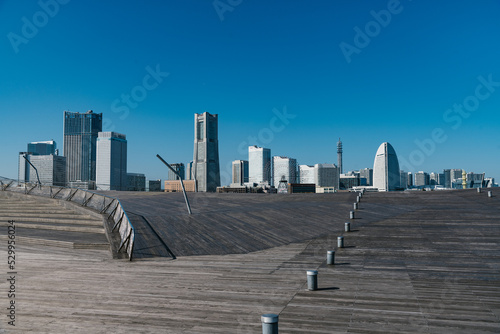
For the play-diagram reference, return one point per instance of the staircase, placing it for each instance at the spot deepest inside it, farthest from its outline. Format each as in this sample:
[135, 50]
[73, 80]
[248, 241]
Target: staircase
[51, 222]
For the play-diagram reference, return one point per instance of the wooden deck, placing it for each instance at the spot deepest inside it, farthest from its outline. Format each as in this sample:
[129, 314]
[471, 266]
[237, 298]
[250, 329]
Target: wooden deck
[423, 262]
[237, 223]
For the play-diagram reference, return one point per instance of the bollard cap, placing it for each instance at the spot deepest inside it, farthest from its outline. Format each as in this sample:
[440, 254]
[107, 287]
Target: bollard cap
[269, 318]
[330, 252]
[340, 238]
[312, 272]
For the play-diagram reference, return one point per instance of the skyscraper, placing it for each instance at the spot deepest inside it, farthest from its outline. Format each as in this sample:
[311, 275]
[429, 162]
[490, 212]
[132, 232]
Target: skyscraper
[339, 156]
[455, 174]
[179, 168]
[421, 179]
[403, 179]
[447, 178]
[189, 171]
[259, 165]
[367, 173]
[284, 168]
[326, 175]
[206, 152]
[240, 172]
[80, 148]
[111, 172]
[51, 169]
[42, 147]
[386, 171]
[410, 181]
[50, 165]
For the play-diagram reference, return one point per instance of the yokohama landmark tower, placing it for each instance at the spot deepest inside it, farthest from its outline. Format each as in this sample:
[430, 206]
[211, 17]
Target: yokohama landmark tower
[206, 152]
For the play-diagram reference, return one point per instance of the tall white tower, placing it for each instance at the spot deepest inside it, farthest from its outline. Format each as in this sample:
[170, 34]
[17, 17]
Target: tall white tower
[259, 165]
[111, 161]
[386, 173]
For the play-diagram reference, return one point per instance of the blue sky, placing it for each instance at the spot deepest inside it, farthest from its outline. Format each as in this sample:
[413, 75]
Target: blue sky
[365, 71]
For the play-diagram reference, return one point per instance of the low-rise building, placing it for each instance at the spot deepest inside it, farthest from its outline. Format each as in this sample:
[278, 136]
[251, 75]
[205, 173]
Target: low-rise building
[175, 185]
[136, 182]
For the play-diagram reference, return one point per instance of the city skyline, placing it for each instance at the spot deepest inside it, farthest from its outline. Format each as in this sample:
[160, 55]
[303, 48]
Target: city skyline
[296, 82]
[43, 144]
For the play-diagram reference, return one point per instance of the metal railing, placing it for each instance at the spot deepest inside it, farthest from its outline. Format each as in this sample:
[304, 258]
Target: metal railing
[103, 204]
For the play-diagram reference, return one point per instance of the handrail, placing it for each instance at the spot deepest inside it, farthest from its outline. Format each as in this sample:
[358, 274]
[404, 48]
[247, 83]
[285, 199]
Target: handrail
[99, 202]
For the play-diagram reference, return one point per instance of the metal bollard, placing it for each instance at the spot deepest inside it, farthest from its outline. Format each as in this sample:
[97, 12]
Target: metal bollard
[358, 199]
[269, 323]
[312, 280]
[355, 206]
[330, 257]
[360, 194]
[340, 242]
[490, 194]
[348, 227]
[351, 215]
[479, 190]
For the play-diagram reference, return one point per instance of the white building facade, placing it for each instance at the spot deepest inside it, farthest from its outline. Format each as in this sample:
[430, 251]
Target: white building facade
[111, 170]
[306, 174]
[259, 165]
[284, 168]
[386, 173]
[326, 175]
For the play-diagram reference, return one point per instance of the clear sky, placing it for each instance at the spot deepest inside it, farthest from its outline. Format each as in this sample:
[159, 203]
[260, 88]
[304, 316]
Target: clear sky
[293, 76]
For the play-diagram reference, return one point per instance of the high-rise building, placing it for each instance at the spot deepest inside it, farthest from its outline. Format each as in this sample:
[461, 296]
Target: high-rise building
[179, 168]
[339, 156]
[42, 147]
[80, 147]
[259, 165]
[306, 174]
[284, 168]
[322, 175]
[410, 180]
[447, 178]
[403, 179]
[421, 179]
[23, 170]
[455, 174]
[39, 148]
[51, 169]
[367, 173]
[111, 171]
[189, 171]
[440, 179]
[206, 152]
[326, 175]
[386, 168]
[436, 179]
[240, 172]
